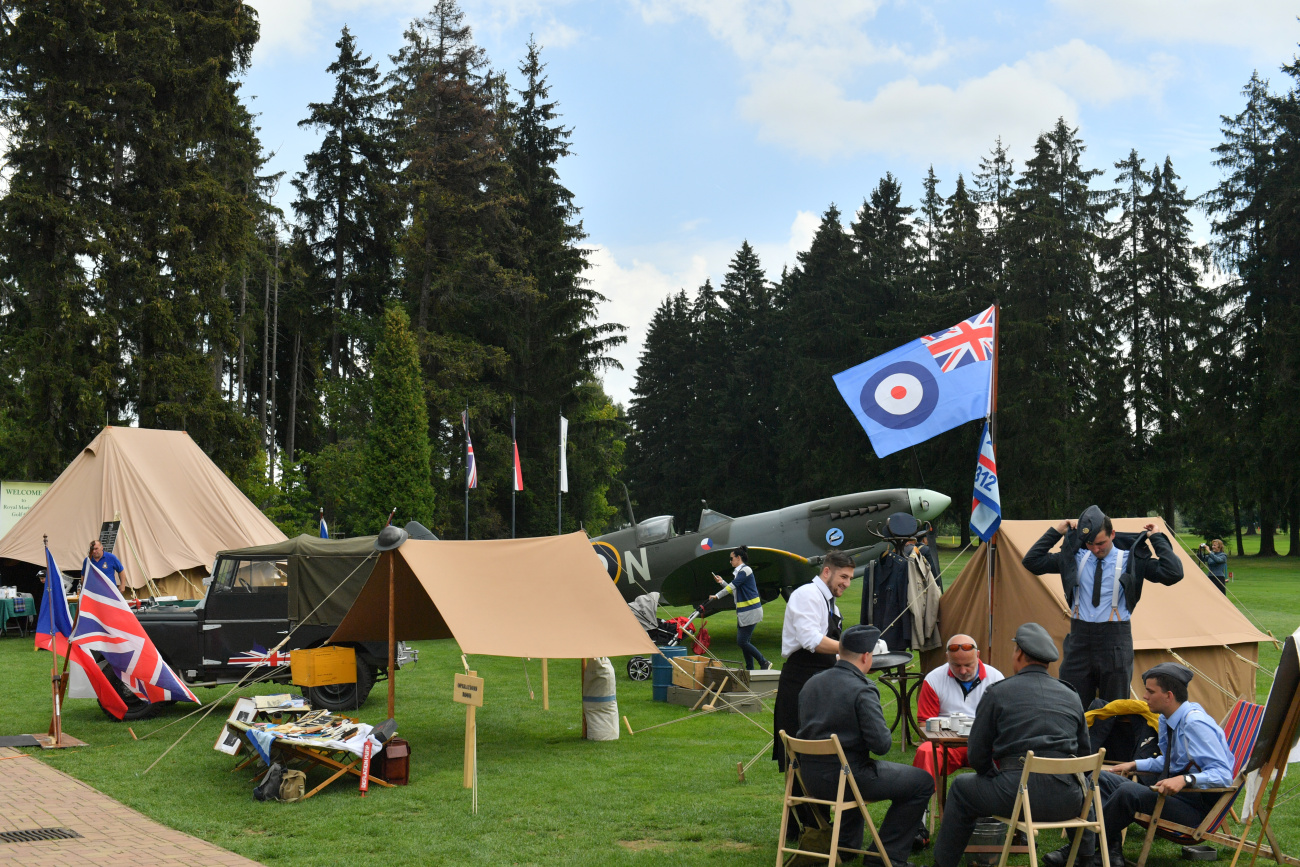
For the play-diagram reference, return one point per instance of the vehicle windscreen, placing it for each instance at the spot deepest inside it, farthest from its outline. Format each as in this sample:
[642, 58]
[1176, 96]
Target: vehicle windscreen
[250, 576]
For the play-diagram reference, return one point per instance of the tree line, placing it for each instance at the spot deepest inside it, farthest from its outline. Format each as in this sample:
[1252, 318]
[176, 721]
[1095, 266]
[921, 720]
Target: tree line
[432, 261]
[1138, 370]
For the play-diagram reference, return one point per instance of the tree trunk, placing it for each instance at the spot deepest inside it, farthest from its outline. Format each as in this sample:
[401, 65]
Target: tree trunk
[1236, 514]
[422, 316]
[243, 303]
[219, 352]
[338, 287]
[1293, 527]
[293, 397]
[1267, 532]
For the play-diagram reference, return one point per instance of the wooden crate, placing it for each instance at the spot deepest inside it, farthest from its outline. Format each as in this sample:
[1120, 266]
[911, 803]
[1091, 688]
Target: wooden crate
[737, 678]
[688, 671]
[321, 666]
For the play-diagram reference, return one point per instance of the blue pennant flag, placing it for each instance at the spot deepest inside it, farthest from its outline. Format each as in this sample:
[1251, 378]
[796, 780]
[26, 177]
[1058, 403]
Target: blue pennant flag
[986, 504]
[324, 528]
[925, 387]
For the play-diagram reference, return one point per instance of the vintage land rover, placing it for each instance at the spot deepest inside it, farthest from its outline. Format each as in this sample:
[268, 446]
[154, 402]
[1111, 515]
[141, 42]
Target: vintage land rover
[300, 588]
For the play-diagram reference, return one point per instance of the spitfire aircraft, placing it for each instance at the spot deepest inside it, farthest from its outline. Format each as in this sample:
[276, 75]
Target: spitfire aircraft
[785, 545]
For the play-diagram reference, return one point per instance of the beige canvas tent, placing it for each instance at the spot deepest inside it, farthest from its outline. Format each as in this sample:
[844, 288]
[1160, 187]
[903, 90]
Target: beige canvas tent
[1190, 622]
[544, 598]
[177, 511]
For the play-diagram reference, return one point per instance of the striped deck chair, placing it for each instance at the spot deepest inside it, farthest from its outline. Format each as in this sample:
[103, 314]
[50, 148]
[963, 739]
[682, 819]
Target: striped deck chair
[1241, 728]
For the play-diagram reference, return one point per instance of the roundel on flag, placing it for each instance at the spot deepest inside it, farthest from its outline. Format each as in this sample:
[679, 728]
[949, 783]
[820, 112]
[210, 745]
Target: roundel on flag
[900, 395]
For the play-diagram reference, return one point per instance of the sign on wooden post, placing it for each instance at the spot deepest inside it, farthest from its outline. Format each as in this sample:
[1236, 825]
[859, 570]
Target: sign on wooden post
[467, 689]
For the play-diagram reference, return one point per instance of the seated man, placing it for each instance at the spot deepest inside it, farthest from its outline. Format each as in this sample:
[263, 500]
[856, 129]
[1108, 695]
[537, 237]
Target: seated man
[953, 688]
[1194, 755]
[1029, 711]
[843, 701]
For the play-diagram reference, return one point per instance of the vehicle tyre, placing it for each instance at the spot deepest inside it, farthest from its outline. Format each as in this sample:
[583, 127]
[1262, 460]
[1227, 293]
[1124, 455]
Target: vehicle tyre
[136, 708]
[343, 696]
[638, 668]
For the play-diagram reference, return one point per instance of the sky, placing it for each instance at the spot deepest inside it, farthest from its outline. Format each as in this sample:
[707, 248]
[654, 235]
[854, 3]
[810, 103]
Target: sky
[700, 124]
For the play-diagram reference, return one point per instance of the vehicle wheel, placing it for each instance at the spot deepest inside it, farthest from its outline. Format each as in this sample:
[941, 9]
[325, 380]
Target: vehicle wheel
[638, 668]
[343, 696]
[136, 708]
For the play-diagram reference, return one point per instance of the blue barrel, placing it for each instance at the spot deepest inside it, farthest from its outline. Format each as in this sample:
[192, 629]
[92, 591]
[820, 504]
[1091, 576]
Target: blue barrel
[662, 671]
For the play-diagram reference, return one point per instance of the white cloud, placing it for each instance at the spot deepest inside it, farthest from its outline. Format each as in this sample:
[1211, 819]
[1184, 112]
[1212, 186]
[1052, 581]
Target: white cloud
[1267, 28]
[637, 289]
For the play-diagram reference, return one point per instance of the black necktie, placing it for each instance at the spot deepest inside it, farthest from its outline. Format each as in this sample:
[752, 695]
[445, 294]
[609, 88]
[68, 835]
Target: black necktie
[1169, 751]
[1096, 586]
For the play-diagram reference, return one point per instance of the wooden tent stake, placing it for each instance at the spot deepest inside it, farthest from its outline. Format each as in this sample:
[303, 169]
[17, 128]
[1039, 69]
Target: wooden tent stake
[546, 687]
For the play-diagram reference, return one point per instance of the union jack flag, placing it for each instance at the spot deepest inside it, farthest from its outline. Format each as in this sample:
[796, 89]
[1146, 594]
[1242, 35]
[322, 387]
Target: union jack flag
[471, 466]
[965, 343]
[260, 656]
[105, 624]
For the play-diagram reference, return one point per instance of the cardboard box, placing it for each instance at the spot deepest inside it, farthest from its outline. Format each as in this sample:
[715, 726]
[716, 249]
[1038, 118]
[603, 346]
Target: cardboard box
[688, 671]
[322, 666]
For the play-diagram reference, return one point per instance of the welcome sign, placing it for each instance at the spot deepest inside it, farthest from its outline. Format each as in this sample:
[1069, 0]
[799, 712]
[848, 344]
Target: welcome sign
[15, 499]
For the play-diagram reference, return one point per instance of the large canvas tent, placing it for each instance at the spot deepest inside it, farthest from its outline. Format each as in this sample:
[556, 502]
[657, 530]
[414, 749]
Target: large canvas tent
[177, 511]
[1189, 622]
[544, 598]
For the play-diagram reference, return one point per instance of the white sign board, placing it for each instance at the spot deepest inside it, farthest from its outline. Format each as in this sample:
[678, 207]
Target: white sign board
[15, 499]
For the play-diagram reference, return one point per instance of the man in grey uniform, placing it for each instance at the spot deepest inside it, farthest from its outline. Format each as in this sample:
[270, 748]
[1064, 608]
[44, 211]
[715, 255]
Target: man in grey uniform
[1029, 711]
[843, 701]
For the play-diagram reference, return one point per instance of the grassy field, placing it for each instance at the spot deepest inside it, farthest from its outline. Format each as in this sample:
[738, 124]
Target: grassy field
[670, 794]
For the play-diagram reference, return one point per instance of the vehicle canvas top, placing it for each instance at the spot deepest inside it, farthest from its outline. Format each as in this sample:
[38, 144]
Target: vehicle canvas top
[316, 567]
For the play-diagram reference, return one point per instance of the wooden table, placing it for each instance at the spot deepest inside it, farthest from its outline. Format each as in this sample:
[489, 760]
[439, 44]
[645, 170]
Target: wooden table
[21, 609]
[943, 740]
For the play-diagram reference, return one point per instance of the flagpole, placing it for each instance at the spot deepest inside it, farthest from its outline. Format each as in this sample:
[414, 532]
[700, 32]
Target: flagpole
[992, 552]
[56, 724]
[467, 471]
[559, 483]
[514, 483]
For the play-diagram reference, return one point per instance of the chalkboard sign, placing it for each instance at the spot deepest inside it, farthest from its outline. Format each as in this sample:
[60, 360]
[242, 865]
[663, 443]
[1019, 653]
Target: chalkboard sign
[108, 534]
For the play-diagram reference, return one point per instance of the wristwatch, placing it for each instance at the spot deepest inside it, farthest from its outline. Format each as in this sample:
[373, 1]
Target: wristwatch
[1189, 779]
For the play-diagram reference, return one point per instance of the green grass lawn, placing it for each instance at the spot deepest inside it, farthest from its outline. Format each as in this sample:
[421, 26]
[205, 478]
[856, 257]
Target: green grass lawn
[545, 796]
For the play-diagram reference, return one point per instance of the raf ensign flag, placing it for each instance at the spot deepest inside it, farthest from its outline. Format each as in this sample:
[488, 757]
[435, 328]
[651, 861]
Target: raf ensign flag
[986, 504]
[925, 387]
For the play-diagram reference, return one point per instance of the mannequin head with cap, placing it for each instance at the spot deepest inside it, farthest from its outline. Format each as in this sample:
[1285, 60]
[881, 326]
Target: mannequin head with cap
[856, 645]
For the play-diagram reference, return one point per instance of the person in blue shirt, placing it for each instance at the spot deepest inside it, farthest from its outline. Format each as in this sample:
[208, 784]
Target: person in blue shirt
[1216, 561]
[749, 606]
[1194, 755]
[1102, 574]
[105, 562]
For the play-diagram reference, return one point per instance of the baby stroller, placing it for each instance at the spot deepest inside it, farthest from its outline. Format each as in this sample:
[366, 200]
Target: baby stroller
[664, 633]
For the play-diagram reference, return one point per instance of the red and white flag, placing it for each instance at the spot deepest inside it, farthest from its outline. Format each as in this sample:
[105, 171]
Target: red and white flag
[519, 473]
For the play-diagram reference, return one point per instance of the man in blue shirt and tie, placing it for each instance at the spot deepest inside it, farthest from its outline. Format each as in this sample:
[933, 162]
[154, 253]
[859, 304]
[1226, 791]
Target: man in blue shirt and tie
[1102, 573]
[1194, 755]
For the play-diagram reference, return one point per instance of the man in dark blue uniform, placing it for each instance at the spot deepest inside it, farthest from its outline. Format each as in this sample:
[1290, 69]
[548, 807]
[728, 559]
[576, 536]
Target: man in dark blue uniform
[1102, 573]
[843, 701]
[1029, 711]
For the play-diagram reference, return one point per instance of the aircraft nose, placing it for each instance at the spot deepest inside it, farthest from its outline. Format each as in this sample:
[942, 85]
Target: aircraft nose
[927, 504]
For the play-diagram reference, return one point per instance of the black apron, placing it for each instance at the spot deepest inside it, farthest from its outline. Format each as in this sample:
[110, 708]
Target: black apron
[801, 666]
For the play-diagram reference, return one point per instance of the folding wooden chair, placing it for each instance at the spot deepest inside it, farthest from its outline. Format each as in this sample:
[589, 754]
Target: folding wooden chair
[794, 748]
[1241, 728]
[1035, 765]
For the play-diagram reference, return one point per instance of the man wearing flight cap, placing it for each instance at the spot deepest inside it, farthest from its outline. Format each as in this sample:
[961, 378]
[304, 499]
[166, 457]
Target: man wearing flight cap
[1102, 573]
[1031, 710]
[1194, 755]
[843, 701]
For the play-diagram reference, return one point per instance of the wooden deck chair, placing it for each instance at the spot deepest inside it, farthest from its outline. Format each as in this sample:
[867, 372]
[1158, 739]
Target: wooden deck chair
[1022, 816]
[1241, 727]
[794, 748]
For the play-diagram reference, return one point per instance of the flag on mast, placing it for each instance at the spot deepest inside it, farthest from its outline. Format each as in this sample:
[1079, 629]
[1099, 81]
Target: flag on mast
[519, 472]
[986, 504]
[324, 528]
[54, 626]
[564, 461]
[471, 467]
[925, 387]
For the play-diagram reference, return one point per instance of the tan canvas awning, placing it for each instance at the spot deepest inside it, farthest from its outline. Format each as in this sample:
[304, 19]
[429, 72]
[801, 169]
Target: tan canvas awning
[545, 598]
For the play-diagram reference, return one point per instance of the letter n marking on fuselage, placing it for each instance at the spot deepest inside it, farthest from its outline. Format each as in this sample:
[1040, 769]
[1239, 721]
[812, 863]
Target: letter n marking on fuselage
[635, 567]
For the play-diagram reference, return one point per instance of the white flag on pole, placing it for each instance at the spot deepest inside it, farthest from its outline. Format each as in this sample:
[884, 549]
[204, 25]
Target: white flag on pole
[564, 461]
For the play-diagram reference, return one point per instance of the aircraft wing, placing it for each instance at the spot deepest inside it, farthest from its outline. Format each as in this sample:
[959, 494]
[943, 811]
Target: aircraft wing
[692, 583]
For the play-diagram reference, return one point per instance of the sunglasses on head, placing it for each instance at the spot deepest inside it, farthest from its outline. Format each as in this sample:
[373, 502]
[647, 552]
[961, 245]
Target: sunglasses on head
[953, 648]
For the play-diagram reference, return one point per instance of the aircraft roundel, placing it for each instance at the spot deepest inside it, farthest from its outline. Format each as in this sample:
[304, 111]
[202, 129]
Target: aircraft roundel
[706, 544]
[834, 536]
[900, 395]
[609, 559]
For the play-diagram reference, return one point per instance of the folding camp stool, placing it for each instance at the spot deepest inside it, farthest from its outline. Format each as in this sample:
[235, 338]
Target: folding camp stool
[1022, 816]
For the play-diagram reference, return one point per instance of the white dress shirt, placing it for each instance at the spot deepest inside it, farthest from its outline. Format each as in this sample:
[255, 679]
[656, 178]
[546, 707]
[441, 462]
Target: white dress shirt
[807, 617]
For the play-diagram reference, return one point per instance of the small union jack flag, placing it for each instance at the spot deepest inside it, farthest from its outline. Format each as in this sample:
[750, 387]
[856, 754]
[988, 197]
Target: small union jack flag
[965, 343]
[260, 656]
[471, 466]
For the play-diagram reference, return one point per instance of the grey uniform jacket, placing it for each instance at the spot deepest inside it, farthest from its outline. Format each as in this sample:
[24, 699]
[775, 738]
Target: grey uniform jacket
[842, 701]
[1139, 567]
[1029, 711]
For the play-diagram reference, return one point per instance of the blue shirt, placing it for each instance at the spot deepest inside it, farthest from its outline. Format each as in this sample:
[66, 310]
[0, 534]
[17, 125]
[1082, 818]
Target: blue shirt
[1199, 748]
[1112, 566]
[108, 564]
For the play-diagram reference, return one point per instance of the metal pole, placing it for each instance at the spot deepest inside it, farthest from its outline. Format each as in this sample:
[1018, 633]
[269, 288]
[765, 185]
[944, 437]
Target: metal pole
[466, 470]
[514, 447]
[991, 554]
[392, 639]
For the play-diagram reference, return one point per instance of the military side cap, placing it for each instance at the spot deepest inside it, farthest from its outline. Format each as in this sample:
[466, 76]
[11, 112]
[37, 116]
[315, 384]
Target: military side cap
[1090, 522]
[1036, 643]
[859, 639]
[1170, 669]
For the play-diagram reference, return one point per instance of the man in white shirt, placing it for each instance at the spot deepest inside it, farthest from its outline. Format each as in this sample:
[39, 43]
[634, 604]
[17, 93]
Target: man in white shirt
[809, 641]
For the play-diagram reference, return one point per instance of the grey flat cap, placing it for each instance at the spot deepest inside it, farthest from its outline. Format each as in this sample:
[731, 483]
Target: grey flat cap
[1036, 643]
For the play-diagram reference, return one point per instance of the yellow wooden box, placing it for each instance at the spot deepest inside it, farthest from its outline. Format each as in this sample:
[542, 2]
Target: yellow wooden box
[688, 673]
[321, 666]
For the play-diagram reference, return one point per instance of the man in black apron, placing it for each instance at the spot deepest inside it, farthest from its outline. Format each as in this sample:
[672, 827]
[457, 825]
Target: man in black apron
[809, 641]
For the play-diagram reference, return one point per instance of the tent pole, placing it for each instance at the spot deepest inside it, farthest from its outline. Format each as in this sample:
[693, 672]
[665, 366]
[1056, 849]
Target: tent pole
[392, 639]
[992, 552]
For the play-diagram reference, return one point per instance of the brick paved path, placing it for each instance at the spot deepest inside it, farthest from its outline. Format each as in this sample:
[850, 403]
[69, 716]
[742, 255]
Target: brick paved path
[35, 795]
